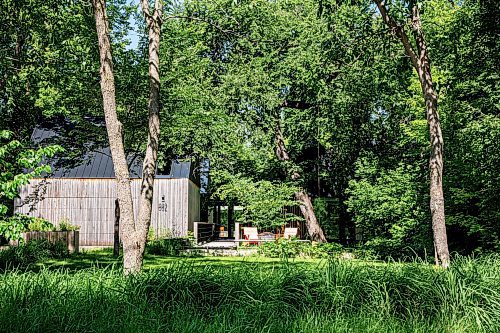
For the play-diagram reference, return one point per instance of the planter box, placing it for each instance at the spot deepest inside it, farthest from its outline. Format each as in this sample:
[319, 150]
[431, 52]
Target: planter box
[70, 238]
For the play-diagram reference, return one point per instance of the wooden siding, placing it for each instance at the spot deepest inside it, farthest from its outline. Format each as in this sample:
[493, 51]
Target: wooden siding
[90, 203]
[194, 205]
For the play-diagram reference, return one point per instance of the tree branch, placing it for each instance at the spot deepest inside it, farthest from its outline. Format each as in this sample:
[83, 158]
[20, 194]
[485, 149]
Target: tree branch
[145, 10]
[300, 105]
[398, 30]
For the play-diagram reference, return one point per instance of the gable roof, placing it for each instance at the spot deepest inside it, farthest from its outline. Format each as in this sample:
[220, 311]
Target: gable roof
[92, 159]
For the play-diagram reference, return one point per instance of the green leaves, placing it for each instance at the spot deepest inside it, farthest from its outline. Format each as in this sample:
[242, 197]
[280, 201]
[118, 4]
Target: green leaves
[262, 201]
[385, 205]
[18, 165]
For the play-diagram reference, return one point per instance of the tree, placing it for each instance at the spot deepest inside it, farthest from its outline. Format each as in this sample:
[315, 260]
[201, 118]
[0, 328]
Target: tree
[135, 238]
[464, 44]
[306, 206]
[15, 157]
[420, 61]
[133, 232]
[47, 63]
[114, 130]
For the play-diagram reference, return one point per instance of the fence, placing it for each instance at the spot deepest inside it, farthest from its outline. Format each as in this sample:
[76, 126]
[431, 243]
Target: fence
[203, 232]
[70, 238]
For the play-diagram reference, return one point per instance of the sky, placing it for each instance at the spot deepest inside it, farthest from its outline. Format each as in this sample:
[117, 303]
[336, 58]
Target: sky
[133, 36]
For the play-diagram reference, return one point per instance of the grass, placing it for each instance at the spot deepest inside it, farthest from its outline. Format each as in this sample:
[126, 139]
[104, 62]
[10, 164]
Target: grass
[252, 295]
[104, 258]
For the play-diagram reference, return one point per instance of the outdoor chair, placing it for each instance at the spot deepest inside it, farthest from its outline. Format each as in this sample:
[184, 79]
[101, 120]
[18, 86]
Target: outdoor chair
[290, 233]
[251, 234]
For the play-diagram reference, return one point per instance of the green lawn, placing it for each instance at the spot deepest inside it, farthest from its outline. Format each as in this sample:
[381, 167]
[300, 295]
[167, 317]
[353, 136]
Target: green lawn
[104, 258]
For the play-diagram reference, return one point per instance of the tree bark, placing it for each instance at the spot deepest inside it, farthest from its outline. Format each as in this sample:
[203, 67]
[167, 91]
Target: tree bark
[420, 61]
[113, 126]
[133, 233]
[116, 236]
[136, 244]
[306, 207]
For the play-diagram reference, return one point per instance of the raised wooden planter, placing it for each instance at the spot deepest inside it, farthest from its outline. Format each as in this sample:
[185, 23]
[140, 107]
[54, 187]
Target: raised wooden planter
[70, 238]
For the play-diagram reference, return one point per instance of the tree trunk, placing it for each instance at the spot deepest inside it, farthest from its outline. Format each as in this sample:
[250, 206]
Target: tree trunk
[420, 61]
[133, 233]
[306, 207]
[116, 236]
[132, 262]
[437, 145]
[113, 126]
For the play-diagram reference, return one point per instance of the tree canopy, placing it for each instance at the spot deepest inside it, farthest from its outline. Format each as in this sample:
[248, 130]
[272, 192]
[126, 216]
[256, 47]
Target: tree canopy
[343, 94]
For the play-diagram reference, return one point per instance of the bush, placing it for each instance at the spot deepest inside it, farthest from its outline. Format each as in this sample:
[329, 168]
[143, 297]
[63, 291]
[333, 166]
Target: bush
[65, 225]
[386, 205]
[285, 248]
[31, 253]
[167, 247]
[12, 227]
[39, 224]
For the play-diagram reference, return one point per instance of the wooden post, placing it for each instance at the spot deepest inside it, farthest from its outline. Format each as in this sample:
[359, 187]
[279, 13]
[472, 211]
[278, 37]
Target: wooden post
[116, 243]
[230, 219]
[195, 232]
[237, 232]
[214, 215]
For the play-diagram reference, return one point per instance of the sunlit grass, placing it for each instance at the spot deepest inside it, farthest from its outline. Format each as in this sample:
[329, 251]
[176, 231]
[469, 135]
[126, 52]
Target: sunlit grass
[226, 294]
[104, 258]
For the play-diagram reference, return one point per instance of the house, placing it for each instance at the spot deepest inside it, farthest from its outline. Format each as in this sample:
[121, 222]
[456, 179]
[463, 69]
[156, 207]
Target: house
[83, 192]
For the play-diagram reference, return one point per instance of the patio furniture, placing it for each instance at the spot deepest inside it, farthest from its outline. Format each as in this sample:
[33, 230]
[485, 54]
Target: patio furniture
[290, 233]
[251, 234]
[266, 236]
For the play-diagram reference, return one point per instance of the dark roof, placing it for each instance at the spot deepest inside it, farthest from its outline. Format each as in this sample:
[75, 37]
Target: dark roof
[93, 160]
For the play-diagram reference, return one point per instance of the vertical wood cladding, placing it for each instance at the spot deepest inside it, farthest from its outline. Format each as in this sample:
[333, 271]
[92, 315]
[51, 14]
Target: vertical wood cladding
[90, 203]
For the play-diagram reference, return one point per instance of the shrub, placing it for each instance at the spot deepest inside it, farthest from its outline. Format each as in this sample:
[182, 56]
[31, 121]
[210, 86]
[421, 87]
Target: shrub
[167, 246]
[12, 227]
[39, 224]
[65, 225]
[285, 248]
[387, 208]
[28, 254]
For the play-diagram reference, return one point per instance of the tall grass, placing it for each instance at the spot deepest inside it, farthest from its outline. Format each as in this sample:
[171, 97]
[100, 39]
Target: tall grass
[338, 296]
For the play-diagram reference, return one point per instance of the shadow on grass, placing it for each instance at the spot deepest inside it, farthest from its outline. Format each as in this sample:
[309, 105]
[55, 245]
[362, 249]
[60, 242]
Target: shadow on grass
[104, 259]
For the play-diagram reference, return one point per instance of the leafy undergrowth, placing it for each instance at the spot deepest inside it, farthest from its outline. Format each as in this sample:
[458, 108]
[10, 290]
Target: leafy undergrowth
[185, 296]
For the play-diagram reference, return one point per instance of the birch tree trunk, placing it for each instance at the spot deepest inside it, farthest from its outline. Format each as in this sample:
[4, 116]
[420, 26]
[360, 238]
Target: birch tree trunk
[420, 61]
[306, 207]
[113, 126]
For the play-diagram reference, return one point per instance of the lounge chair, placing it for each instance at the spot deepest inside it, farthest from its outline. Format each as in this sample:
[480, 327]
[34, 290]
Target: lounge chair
[290, 233]
[251, 234]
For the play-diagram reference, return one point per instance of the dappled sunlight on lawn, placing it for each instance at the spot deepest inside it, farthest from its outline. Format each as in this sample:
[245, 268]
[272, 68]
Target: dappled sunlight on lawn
[104, 258]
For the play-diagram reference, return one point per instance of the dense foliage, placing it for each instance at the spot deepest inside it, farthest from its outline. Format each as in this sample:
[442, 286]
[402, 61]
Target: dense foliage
[345, 97]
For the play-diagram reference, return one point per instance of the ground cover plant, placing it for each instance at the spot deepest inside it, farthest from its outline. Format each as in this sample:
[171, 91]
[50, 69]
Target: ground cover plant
[327, 296]
[36, 251]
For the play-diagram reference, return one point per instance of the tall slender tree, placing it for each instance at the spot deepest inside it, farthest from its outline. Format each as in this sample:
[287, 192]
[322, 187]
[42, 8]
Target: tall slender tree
[133, 232]
[420, 60]
[114, 129]
[133, 259]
